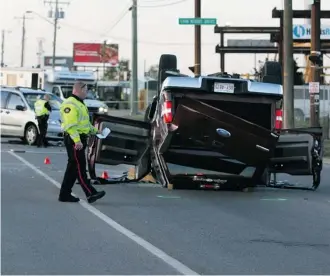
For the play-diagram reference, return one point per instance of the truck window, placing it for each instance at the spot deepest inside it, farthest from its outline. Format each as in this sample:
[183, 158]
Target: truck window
[67, 90]
[56, 91]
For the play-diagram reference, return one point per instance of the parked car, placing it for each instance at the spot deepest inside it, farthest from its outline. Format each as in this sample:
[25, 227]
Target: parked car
[227, 130]
[18, 118]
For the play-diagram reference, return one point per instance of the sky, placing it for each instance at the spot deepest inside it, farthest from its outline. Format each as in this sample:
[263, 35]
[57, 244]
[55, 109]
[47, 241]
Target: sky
[158, 29]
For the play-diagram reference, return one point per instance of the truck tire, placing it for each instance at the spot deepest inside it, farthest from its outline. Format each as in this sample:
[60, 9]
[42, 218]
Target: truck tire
[167, 62]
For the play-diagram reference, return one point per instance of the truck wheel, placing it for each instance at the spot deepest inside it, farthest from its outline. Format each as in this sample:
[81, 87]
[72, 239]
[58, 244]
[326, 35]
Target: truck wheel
[166, 63]
[31, 134]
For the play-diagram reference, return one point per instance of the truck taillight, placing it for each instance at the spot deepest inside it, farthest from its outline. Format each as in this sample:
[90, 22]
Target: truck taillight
[278, 119]
[167, 112]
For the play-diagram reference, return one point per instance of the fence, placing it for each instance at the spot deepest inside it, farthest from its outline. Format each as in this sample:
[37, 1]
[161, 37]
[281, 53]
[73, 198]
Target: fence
[302, 107]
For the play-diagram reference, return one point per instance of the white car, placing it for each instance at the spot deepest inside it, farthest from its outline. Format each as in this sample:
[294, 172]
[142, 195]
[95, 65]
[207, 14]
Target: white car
[18, 118]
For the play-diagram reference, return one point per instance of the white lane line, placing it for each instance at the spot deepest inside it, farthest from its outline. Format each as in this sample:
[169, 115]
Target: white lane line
[177, 265]
[32, 151]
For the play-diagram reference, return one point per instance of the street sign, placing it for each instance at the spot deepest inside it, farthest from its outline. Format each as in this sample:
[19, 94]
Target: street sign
[314, 88]
[249, 43]
[63, 61]
[304, 31]
[197, 21]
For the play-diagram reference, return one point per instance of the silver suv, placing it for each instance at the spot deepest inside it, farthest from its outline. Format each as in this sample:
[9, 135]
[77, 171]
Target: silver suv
[18, 118]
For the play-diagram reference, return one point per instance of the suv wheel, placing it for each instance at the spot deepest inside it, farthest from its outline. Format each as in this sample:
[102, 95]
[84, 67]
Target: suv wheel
[31, 134]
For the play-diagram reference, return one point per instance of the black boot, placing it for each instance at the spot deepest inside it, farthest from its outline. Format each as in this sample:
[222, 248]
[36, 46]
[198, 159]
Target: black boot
[69, 198]
[95, 196]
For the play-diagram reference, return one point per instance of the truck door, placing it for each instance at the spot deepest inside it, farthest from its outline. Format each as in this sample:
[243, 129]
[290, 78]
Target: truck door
[128, 143]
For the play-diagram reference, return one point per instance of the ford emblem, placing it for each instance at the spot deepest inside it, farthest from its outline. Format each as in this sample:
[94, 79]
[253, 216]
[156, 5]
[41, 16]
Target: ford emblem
[223, 133]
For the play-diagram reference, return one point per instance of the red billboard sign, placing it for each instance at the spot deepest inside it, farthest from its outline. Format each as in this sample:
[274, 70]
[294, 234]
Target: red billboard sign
[95, 53]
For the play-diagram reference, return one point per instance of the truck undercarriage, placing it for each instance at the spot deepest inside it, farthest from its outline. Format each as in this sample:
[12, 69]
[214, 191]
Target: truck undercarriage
[297, 152]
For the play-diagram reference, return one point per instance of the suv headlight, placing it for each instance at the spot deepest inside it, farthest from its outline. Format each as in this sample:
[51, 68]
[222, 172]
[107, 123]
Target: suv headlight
[103, 109]
[54, 122]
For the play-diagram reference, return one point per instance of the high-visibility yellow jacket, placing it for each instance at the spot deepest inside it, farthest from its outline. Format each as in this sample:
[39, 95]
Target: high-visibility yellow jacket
[75, 118]
[40, 109]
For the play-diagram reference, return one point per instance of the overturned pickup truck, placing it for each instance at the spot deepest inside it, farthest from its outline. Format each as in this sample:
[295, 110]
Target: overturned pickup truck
[227, 131]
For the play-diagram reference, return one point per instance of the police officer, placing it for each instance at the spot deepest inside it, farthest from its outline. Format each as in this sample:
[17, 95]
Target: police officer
[77, 127]
[42, 109]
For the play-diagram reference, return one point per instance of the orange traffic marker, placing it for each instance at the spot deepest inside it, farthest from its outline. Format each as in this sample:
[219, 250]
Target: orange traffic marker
[105, 175]
[47, 161]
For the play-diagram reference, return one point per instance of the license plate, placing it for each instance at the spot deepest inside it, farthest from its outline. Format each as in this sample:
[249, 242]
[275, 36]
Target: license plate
[224, 87]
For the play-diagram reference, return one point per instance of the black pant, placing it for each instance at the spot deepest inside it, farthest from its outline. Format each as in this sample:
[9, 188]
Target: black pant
[43, 125]
[76, 168]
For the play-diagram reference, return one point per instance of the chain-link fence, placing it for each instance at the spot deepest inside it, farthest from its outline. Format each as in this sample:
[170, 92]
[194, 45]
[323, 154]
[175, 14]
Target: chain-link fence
[302, 107]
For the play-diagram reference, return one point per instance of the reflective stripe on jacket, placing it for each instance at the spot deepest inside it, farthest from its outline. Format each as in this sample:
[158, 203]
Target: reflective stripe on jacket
[40, 109]
[75, 119]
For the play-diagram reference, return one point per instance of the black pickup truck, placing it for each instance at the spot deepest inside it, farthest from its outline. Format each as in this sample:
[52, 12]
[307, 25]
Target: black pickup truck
[229, 127]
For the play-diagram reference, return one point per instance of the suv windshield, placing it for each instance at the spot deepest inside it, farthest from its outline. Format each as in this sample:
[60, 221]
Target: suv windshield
[31, 98]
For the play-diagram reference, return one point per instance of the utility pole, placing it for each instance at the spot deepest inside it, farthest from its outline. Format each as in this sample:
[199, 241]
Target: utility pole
[103, 57]
[57, 15]
[23, 37]
[288, 74]
[23, 42]
[55, 32]
[40, 51]
[2, 47]
[197, 70]
[134, 80]
[316, 59]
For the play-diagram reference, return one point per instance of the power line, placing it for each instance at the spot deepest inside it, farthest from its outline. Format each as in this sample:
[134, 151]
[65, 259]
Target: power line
[164, 5]
[120, 17]
[140, 41]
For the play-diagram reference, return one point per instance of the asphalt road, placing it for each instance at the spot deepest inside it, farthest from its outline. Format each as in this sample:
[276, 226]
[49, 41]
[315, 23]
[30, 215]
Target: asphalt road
[144, 229]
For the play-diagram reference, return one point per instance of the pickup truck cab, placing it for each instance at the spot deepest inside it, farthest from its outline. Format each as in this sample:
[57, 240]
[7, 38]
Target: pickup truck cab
[228, 128]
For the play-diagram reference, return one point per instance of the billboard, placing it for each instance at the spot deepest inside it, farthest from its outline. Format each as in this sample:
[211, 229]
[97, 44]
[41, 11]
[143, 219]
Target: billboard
[95, 54]
[305, 31]
[63, 61]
